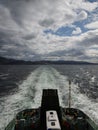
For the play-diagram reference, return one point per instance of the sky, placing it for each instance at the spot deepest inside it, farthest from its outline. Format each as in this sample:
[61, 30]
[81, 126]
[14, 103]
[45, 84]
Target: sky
[49, 30]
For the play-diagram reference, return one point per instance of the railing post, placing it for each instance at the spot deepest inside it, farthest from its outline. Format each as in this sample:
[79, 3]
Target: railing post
[69, 93]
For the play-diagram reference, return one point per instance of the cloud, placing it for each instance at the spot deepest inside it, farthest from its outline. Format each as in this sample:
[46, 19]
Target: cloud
[29, 36]
[46, 22]
[84, 5]
[90, 38]
[92, 52]
[82, 15]
[77, 31]
[22, 25]
[92, 25]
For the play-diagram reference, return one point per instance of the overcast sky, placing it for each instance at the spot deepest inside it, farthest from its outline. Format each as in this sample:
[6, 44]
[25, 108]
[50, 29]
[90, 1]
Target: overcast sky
[49, 29]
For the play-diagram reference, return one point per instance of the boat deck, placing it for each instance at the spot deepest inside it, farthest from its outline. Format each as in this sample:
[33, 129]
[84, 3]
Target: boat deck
[72, 119]
[35, 119]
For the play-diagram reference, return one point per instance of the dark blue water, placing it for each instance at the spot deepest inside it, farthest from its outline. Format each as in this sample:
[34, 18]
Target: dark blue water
[21, 88]
[11, 76]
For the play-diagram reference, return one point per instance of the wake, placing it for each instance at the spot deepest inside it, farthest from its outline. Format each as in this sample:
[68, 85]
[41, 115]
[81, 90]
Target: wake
[30, 92]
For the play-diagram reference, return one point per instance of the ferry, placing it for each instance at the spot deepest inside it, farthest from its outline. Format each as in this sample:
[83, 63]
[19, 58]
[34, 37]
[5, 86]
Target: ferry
[51, 116]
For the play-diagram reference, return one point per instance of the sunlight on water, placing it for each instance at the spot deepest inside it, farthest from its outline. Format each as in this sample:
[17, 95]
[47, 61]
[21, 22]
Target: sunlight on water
[30, 92]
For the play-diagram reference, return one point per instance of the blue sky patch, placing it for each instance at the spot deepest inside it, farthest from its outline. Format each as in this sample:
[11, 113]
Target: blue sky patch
[81, 25]
[92, 1]
[62, 31]
[67, 31]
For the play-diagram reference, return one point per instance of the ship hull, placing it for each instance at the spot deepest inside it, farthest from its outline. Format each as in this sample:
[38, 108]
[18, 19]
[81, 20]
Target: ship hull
[36, 119]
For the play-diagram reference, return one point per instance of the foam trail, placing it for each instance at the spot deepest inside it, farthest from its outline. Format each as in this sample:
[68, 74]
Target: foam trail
[30, 93]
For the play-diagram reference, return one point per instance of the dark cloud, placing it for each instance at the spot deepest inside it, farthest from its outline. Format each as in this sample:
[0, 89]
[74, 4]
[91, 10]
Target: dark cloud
[46, 22]
[18, 52]
[29, 36]
[16, 9]
[70, 52]
[89, 41]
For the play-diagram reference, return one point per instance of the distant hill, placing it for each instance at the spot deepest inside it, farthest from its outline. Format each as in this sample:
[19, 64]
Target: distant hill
[6, 61]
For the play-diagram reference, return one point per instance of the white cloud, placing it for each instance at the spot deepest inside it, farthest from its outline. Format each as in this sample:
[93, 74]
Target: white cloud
[92, 52]
[77, 31]
[93, 25]
[81, 16]
[84, 5]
